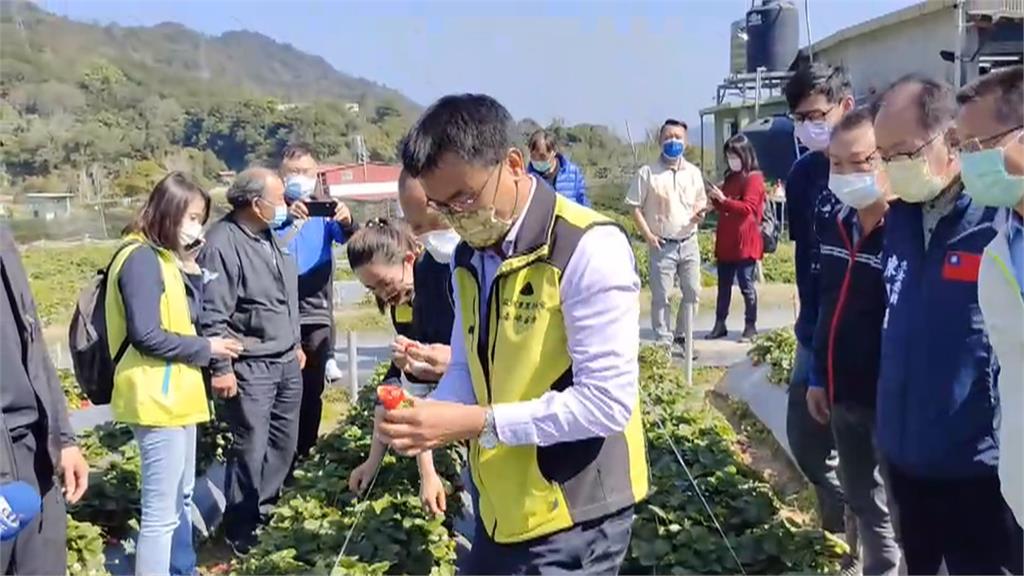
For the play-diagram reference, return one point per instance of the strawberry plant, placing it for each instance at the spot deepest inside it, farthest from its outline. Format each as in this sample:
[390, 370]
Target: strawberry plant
[85, 549]
[778, 349]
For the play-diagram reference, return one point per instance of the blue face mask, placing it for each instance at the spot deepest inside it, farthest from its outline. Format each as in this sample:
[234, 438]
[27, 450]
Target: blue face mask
[673, 149]
[987, 181]
[298, 187]
[542, 166]
[280, 216]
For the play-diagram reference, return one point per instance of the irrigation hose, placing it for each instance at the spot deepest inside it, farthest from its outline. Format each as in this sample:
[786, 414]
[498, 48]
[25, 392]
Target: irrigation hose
[700, 494]
[359, 515]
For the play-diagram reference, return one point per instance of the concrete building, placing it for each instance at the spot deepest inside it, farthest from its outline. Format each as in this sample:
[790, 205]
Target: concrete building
[49, 206]
[929, 37]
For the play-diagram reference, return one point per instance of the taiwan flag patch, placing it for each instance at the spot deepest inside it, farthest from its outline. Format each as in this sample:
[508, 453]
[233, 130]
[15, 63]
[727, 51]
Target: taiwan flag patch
[961, 267]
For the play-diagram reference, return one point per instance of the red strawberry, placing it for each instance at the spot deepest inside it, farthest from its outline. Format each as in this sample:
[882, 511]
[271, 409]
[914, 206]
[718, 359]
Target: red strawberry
[391, 397]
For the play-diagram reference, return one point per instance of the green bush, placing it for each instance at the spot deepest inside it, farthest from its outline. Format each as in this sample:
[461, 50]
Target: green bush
[778, 349]
[72, 391]
[85, 549]
[57, 273]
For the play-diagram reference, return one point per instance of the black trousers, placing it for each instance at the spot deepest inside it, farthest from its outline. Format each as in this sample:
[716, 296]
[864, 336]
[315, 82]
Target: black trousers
[41, 547]
[744, 273]
[318, 344]
[264, 420]
[595, 547]
[964, 521]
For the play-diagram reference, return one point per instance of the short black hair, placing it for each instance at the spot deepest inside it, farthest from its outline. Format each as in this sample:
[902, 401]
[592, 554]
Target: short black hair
[832, 83]
[854, 119]
[542, 138]
[673, 122]
[741, 147]
[1008, 84]
[474, 127]
[936, 103]
[297, 150]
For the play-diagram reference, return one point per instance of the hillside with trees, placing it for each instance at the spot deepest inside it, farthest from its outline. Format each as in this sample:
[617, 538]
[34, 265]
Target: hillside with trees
[104, 111]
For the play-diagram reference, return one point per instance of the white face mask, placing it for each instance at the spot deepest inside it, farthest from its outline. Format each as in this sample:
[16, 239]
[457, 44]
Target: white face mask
[735, 164]
[814, 135]
[190, 232]
[441, 244]
[858, 190]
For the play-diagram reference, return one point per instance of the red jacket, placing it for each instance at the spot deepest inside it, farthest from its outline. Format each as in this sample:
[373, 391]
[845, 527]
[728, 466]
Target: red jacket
[738, 236]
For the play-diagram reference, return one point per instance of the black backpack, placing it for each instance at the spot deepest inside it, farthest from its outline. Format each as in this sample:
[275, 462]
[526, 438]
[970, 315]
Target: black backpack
[87, 338]
[770, 231]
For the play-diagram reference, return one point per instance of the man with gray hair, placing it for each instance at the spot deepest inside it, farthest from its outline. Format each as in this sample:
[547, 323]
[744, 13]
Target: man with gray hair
[251, 294]
[937, 400]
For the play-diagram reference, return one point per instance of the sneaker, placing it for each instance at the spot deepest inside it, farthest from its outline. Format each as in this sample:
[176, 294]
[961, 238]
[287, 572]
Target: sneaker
[679, 347]
[332, 371]
[719, 331]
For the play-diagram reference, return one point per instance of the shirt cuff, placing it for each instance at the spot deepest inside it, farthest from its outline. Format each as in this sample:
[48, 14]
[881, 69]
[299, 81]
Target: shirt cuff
[514, 423]
[815, 381]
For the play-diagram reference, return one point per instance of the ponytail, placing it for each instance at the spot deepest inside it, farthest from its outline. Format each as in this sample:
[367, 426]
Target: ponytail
[382, 241]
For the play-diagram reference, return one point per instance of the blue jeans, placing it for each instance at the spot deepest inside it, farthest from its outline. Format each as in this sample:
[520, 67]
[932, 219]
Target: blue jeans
[168, 477]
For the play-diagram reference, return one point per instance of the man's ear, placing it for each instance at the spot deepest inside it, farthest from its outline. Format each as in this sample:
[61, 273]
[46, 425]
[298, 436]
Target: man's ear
[847, 104]
[952, 140]
[516, 161]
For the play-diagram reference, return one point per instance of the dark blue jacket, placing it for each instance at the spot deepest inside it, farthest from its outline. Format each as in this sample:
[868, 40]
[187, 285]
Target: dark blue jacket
[311, 245]
[808, 200]
[848, 339]
[937, 396]
[568, 182]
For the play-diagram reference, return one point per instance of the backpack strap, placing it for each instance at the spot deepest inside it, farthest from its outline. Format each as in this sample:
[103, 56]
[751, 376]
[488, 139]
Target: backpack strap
[123, 348]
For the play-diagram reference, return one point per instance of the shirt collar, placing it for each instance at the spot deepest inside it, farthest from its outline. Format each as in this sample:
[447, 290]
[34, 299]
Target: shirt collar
[513, 232]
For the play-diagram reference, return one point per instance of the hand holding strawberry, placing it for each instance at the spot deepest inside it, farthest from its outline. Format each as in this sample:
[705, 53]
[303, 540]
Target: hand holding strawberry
[392, 397]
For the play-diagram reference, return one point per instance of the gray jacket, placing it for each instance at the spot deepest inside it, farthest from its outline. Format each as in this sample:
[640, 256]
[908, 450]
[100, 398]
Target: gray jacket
[250, 292]
[41, 373]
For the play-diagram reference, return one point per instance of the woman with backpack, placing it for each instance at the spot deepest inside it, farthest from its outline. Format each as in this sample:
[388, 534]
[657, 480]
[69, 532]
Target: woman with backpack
[153, 299]
[738, 242]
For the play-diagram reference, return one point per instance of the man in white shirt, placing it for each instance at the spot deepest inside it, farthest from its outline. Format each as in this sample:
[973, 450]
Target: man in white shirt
[669, 201]
[543, 378]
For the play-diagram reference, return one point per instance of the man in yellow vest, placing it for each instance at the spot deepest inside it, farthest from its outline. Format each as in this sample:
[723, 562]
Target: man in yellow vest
[990, 124]
[543, 378]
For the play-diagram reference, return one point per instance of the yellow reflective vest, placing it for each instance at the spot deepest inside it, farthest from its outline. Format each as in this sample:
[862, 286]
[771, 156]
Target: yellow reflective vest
[153, 391]
[518, 353]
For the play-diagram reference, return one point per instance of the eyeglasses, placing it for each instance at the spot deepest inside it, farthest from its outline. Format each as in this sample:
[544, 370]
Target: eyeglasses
[461, 201]
[811, 115]
[979, 144]
[916, 153]
[867, 164]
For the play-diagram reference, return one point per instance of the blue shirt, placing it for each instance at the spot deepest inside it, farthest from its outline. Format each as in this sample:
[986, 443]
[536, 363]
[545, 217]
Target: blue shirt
[311, 245]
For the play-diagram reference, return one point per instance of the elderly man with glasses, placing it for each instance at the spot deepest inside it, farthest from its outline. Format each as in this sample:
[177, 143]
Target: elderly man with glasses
[937, 399]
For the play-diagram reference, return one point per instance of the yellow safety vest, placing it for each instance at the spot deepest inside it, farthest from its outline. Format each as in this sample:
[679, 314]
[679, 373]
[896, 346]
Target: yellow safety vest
[153, 391]
[519, 354]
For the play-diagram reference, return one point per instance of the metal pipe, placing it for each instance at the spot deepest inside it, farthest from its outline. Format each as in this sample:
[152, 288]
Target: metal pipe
[810, 41]
[958, 46]
[688, 315]
[353, 366]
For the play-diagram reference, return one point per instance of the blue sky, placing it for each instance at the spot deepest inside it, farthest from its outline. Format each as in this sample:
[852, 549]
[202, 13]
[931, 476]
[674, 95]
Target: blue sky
[602, 61]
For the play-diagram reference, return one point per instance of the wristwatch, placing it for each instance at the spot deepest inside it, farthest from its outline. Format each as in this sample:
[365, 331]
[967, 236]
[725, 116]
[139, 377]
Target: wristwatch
[489, 435]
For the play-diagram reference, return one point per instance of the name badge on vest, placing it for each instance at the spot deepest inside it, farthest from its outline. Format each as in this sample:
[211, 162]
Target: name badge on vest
[961, 267]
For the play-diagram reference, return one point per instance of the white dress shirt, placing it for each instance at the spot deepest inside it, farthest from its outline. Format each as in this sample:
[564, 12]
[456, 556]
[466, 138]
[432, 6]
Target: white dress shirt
[601, 306]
